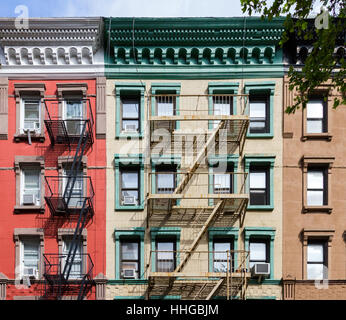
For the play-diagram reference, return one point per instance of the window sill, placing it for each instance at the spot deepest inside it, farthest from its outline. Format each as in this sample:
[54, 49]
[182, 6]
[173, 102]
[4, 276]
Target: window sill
[124, 135]
[128, 281]
[128, 208]
[318, 209]
[259, 136]
[29, 209]
[34, 137]
[317, 136]
[261, 208]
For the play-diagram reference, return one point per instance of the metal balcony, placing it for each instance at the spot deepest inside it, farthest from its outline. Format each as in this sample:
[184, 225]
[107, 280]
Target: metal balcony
[57, 195]
[199, 274]
[69, 130]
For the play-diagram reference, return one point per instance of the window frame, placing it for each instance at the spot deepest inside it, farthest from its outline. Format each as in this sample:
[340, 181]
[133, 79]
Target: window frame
[27, 238]
[324, 263]
[130, 169]
[130, 97]
[258, 239]
[265, 88]
[324, 118]
[168, 239]
[220, 239]
[324, 188]
[260, 169]
[258, 97]
[138, 260]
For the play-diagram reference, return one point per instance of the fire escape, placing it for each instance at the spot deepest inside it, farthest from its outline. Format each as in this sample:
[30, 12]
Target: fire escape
[69, 196]
[192, 126]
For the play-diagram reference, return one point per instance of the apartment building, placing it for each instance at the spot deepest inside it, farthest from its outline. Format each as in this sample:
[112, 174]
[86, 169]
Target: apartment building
[52, 160]
[314, 265]
[194, 158]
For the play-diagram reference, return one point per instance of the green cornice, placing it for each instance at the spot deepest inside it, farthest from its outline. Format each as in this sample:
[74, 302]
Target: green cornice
[193, 48]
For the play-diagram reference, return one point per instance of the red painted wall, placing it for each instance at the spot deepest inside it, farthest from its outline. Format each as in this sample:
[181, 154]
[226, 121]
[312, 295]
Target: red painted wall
[96, 157]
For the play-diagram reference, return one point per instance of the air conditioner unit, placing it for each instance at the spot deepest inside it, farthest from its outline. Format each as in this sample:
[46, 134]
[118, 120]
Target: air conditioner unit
[130, 128]
[29, 198]
[129, 274]
[32, 126]
[129, 200]
[30, 272]
[260, 269]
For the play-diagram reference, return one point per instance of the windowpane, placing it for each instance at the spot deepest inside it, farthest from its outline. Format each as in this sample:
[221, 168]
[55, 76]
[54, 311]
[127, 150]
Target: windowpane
[314, 109]
[130, 125]
[130, 108]
[258, 180]
[257, 125]
[165, 106]
[221, 246]
[257, 110]
[165, 181]
[315, 198]
[315, 253]
[129, 251]
[31, 253]
[31, 178]
[130, 193]
[74, 109]
[165, 246]
[222, 182]
[257, 251]
[314, 126]
[315, 179]
[315, 271]
[31, 111]
[221, 266]
[258, 197]
[129, 180]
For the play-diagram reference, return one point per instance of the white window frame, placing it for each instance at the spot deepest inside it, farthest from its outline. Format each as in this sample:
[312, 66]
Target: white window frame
[64, 113]
[312, 189]
[65, 179]
[76, 260]
[22, 183]
[22, 264]
[323, 119]
[22, 114]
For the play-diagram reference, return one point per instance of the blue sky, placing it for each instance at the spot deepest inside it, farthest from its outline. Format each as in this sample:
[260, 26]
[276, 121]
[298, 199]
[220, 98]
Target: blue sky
[124, 8]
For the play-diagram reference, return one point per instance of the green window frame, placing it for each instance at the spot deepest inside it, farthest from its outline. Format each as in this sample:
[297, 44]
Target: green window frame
[261, 233]
[221, 88]
[261, 160]
[220, 232]
[129, 88]
[167, 88]
[164, 233]
[136, 234]
[213, 161]
[262, 88]
[128, 161]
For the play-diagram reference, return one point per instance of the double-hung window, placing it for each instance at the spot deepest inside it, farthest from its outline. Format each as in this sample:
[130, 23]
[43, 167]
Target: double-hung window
[130, 192]
[75, 193]
[165, 179]
[31, 119]
[130, 259]
[223, 261]
[317, 187]
[166, 105]
[316, 116]
[317, 260]
[259, 114]
[223, 181]
[31, 186]
[77, 263]
[73, 116]
[259, 185]
[130, 111]
[30, 257]
[222, 105]
[165, 255]
[259, 251]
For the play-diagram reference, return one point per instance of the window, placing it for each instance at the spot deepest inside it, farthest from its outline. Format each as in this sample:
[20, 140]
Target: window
[31, 115]
[223, 181]
[316, 118]
[259, 251]
[259, 185]
[73, 114]
[165, 255]
[77, 264]
[130, 111]
[317, 260]
[259, 117]
[31, 186]
[220, 248]
[30, 257]
[165, 179]
[130, 259]
[222, 105]
[317, 187]
[77, 192]
[166, 105]
[129, 186]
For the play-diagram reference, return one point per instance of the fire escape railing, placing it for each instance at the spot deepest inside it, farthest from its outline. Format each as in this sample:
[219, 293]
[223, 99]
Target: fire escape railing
[71, 194]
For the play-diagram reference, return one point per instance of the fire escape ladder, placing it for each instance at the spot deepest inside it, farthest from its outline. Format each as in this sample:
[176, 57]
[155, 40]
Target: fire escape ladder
[218, 207]
[185, 180]
[216, 287]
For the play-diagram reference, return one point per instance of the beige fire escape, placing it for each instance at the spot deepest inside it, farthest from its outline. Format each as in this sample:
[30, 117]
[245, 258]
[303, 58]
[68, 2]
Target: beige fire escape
[197, 128]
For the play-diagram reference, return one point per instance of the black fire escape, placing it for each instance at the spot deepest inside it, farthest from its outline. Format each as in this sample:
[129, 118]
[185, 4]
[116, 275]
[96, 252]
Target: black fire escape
[71, 196]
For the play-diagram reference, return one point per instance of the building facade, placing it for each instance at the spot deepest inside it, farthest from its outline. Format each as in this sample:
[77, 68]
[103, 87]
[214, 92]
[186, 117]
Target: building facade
[314, 265]
[194, 157]
[52, 160]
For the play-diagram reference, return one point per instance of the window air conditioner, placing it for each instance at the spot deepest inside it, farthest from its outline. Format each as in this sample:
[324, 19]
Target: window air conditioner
[129, 274]
[129, 200]
[30, 272]
[130, 128]
[29, 199]
[260, 269]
